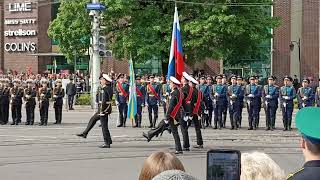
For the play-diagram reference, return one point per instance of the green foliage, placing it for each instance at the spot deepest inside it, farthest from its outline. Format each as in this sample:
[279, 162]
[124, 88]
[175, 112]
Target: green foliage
[71, 28]
[83, 99]
[143, 28]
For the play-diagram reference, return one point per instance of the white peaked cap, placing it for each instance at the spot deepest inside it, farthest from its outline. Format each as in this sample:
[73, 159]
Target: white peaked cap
[193, 80]
[185, 75]
[106, 77]
[174, 80]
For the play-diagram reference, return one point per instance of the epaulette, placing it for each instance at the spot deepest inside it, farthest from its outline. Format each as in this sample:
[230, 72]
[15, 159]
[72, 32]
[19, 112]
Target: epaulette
[295, 173]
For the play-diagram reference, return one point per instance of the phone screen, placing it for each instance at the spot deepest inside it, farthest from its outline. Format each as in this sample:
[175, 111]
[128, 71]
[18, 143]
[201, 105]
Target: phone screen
[223, 165]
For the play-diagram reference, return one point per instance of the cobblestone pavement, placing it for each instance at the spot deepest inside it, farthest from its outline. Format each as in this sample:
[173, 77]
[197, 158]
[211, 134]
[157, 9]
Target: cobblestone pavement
[54, 152]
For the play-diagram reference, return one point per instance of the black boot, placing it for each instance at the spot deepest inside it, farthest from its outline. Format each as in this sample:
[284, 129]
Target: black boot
[154, 122]
[83, 135]
[150, 121]
[155, 132]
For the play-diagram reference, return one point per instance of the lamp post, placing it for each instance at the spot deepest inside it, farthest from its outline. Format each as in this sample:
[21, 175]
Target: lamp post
[298, 43]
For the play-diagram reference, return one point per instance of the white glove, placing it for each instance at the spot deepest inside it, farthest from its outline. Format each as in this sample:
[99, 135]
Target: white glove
[286, 97]
[117, 103]
[216, 94]
[304, 98]
[268, 96]
[250, 95]
[55, 96]
[166, 121]
[12, 95]
[164, 100]
[234, 96]
[190, 117]
[167, 93]
[186, 118]
[206, 112]
[157, 103]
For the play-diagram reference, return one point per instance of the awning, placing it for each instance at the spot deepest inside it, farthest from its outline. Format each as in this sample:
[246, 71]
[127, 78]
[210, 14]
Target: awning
[51, 54]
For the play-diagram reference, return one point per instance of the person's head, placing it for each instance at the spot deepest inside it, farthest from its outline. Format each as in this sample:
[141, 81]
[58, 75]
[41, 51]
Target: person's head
[120, 78]
[29, 83]
[159, 162]
[234, 80]
[16, 82]
[184, 78]
[287, 80]
[138, 80]
[105, 79]
[58, 83]
[224, 79]
[209, 80]
[307, 122]
[219, 79]
[173, 175]
[256, 79]
[151, 78]
[252, 80]
[239, 80]
[174, 83]
[259, 166]
[271, 80]
[305, 83]
[202, 80]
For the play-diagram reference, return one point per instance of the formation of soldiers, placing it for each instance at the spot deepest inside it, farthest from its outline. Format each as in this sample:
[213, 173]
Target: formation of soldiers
[30, 93]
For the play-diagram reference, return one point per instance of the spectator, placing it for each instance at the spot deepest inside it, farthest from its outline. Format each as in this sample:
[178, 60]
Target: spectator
[308, 124]
[159, 162]
[173, 175]
[259, 166]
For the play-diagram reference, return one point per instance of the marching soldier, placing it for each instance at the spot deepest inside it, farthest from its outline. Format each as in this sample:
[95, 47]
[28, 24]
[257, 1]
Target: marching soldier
[259, 99]
[141, 94]
[305, 94]
[173, 116]
[122, 95]
[206, 93]
[253, 96]
[71, 91]
[287, 95]
[270, 99]
[16, 93]
[317, 96]
[241, 98]
[153, 99]
[44, 94]
[58, 95]
[225, 104]
[235, 99]
[219, 93]
[30, 94]
[210, 100]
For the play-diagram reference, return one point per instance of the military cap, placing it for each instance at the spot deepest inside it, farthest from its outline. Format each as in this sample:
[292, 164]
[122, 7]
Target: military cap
[174, 80]
[151, 76]
[219, 76]
[193, 80]
[287, 78]
[233, 77]
[306, 80]
[224, 76]
[120, 76]
[138, 78]
[29, 81]
[239, 78]
[106, 77]
[202, 77]
[16, 81]
[272, 78]
[308, 124]
[186, 75]
[43, 81]
[252, 78]
[209, 78]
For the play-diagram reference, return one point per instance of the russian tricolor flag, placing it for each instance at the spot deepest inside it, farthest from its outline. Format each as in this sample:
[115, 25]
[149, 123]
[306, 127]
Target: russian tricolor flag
[176, 63]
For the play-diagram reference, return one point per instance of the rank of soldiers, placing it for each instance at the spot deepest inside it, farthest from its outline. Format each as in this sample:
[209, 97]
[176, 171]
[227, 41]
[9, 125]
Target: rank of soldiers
[15, 94]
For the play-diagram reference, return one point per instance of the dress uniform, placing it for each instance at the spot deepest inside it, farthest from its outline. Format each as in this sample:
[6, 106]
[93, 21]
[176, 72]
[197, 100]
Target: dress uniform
[241, 98]
[219, 92]
[30, 94]
[5, 102]
[44, 94]
[141, 94]
[206, 94]
[16, 93]
[210, 100]
[253, 95]
[270, 100]
[104, 99]
[235, 99]
[225, 104]
[152, 100]
[58, 95]
[122, 95]
[317, 96]
[2, 109]
[260, 88]
[287, 95]
[305, 94]
[173, 116]
[307, 122]
[71, 91]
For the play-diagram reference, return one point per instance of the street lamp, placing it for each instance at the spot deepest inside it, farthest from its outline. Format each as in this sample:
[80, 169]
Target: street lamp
[298, 43]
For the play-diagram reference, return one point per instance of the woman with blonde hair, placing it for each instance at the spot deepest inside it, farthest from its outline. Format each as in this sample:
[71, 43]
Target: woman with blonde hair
[159, 162]
[259, 166]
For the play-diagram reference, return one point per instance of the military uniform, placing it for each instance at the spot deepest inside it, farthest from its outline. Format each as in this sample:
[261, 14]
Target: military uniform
[270, 99]
[305, 96]
[235, 99]
[16, 94]
[30, 94]
[141, 93]
[204, 110]
[58, 95]
[287, 95]
[307, 122]
[71, 91]
[5, 102]
[210, 105]
[241, 98]
[44, 94]
[220, 98]
[153, 99]
[3, 90]
[122, 95]
[225, 104]
[253, 98]
[317, 97]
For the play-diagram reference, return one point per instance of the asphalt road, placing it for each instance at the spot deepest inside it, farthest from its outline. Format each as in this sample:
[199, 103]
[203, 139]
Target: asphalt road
[54, 152]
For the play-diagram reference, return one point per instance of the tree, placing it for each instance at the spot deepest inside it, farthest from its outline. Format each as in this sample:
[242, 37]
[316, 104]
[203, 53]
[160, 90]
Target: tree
[143, 28]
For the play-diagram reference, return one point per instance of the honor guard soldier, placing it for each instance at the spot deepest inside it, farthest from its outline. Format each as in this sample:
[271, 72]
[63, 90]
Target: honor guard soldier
[219, 93]
[206, 93]
[317, 96]
[235, 99]
[165, 96]
[173, 116]
[308, 124]
[253, 96]
[287, 95]
[241, 98]
[210, 100]
[141, 94]
[270, 100]
[153, 99]
[58, 95]
[122, 95]
[259, 99]
[305, 95]
[71, 91]
[5, 102]
[30, 94]
[105, 105]
[44, 94]
[16, 93]
[225, 104]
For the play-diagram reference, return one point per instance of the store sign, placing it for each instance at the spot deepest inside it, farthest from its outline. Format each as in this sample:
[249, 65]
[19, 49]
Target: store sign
[20, 32]
[19, 21]
[20, 47]
[20, 7]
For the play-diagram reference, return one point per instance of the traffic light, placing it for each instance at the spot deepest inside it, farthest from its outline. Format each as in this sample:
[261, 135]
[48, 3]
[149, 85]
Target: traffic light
[102, 46]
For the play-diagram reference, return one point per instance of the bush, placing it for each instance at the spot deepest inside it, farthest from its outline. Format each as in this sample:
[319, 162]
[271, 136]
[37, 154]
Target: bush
[83, 99]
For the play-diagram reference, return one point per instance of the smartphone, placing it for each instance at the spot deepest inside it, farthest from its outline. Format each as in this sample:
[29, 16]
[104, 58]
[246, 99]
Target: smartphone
[223, 164]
